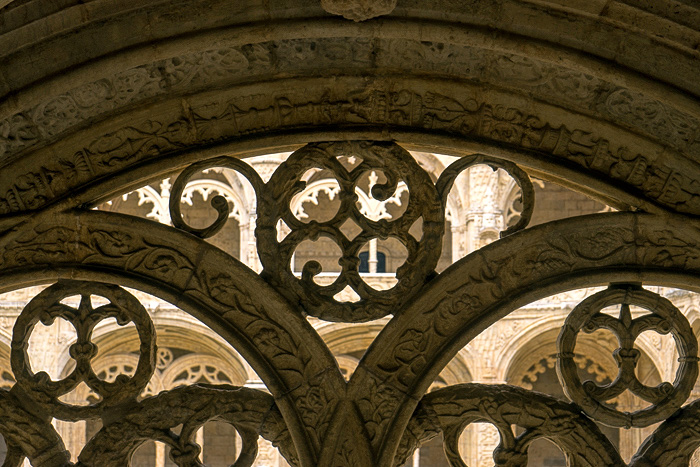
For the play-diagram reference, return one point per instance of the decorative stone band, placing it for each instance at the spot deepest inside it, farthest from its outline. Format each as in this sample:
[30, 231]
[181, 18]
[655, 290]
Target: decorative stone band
[359, 10]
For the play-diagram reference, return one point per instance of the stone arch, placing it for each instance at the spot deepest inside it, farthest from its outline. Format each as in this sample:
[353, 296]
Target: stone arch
[521, 344]
[229, 373]
[568, 119]
[603, 99]
[535, 347]
[510, 212]
[310, 194]
[541, 345]
[181, 334]
[146, 195]
[191, 301]
[459, 371]
[206, 187]
[429, 317]
[343, 340]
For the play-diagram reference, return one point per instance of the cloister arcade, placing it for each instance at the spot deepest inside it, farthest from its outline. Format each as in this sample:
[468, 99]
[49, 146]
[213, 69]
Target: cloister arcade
[341, 233]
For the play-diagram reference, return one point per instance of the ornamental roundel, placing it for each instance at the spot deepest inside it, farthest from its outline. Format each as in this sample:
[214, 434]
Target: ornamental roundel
[426, 207]
[664, 318]
[49, 305]
[423, 254]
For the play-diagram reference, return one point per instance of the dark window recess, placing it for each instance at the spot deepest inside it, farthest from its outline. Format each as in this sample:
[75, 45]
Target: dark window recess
[364, 261]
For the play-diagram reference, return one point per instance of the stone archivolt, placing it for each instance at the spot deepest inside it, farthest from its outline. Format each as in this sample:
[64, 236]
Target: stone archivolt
[238, 337]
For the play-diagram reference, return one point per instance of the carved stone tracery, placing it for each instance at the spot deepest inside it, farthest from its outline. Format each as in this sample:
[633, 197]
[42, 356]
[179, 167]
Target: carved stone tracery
[665, 318]
[111, 248]
[100, 98]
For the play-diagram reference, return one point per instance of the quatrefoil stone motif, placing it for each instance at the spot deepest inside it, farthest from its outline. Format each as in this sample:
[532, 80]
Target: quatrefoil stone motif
[423, 254]
[664, 318]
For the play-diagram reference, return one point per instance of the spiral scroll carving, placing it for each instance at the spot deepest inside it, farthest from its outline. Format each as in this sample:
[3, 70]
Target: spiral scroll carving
[427, 203]
[527, 191]
[423, 254]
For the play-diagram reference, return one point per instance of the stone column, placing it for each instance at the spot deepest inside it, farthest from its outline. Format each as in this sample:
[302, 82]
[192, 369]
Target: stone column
[487, 439]
[456, 242]
[160, 455]
[473, 224]
[372, 261]
[268, 456]
[251, 254]
[200, 440]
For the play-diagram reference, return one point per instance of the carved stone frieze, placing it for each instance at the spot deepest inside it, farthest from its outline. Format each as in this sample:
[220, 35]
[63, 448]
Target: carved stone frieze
[655, 179]
[359, 10]
[427, 110]
[200, 69]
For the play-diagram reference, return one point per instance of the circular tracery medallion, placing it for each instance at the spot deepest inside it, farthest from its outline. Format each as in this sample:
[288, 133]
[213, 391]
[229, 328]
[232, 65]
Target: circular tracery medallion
[423, 254]
[49, 305]
[665, 398]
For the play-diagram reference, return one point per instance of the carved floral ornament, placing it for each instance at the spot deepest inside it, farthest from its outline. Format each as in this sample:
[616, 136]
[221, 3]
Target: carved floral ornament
[427, 203]
[312, 414]
[359, 10]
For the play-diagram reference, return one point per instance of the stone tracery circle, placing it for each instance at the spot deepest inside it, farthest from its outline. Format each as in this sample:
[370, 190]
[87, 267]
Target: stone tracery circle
[274, 205]
[664, 318]
[45, 308]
